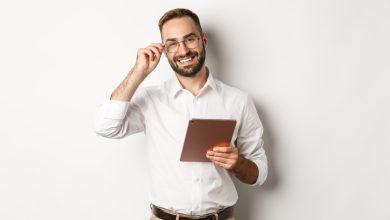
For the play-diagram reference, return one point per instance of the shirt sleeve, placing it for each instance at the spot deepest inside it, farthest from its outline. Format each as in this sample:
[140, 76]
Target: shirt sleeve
[118, 119]
[250, 142]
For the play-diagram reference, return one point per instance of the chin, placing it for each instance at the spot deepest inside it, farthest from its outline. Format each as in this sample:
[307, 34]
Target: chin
[190, 71]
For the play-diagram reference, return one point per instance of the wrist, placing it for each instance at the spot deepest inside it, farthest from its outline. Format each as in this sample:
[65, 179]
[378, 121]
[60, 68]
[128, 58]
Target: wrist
[140, 71]
[246, 170]
[237, 169]
[137, 76]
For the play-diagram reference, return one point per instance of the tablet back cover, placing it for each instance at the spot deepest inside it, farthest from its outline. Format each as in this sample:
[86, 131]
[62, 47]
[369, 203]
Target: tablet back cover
[203, 134]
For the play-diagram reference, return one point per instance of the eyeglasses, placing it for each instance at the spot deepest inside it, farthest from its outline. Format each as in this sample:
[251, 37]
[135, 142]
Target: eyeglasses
[190, 42]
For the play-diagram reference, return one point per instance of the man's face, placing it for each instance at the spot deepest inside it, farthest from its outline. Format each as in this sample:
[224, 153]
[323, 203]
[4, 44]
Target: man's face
[190, 55]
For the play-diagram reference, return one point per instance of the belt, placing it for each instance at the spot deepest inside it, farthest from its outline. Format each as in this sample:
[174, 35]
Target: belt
[221, 215]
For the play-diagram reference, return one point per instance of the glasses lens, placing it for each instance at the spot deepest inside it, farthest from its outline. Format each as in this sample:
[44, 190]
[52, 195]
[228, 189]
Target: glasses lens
[190, 42]
[172, 47]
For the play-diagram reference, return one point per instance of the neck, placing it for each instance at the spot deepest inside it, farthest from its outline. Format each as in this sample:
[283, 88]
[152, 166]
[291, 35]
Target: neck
[194, 84]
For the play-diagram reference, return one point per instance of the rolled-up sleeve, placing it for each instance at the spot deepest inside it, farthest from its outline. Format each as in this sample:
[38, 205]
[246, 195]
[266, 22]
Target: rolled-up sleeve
[117, 119]
[250, 142]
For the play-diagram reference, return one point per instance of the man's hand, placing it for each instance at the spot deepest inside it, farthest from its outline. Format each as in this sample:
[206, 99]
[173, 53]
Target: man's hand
[148, 58]
[226, 157]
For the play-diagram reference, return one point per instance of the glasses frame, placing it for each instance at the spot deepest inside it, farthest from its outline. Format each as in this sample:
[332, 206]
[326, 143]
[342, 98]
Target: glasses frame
[183, 41]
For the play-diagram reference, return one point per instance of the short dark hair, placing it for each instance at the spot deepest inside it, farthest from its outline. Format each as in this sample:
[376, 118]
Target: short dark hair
[178, 13]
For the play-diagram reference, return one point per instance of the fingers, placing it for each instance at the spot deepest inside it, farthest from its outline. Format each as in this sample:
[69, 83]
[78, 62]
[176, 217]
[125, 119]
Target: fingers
[158, 46]
[218, 154]
[230, 154]
[145, 53]
[156, 52]
[149, 57]
[225, 157]
[223, 165]
[227, 163]
[223, 149]
[152, 52]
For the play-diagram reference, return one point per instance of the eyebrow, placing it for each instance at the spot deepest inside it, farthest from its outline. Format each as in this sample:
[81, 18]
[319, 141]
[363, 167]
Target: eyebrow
[185, 36]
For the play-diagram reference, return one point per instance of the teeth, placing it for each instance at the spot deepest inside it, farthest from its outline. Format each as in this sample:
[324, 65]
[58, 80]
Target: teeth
[185, 60]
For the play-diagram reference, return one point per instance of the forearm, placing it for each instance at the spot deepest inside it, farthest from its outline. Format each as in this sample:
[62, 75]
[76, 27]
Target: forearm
[246, 170]
[128, 86]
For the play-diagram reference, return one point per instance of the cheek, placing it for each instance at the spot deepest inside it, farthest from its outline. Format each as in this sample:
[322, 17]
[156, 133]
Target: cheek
[172, 58]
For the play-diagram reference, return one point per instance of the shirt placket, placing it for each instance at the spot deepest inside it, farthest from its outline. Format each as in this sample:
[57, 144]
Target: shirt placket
[197, 166]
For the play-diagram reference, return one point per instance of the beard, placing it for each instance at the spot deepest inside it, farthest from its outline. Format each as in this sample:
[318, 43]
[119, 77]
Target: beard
[189, 71]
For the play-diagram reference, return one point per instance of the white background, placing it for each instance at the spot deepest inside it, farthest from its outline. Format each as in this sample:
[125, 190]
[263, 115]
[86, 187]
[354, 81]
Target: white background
[318, 71]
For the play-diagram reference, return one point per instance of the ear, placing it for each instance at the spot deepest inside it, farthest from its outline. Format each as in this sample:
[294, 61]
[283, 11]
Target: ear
[205, 39]
[162, 41]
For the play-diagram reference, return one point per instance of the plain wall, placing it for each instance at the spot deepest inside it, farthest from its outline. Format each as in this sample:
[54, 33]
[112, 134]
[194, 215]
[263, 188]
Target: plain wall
[318, 71]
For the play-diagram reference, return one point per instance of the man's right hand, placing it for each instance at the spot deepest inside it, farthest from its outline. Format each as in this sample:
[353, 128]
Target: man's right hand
[148, 58]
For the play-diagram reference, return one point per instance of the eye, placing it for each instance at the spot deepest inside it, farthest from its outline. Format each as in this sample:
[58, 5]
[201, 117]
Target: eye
[190, 39]
[172, 44]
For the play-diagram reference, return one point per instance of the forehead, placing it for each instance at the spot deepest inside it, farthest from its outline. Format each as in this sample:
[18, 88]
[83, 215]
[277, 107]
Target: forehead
[178, 27]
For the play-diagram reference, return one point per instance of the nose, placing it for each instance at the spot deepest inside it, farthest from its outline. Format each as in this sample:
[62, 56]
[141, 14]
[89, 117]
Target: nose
[183, 49]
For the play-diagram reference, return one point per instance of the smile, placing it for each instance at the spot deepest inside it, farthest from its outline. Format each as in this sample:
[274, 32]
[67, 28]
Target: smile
[186, 59]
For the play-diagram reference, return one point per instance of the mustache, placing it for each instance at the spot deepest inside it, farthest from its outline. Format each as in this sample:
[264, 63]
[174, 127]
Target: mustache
[189, 54]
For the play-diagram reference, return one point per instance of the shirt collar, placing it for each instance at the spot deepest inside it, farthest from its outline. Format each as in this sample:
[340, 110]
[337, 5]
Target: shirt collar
[175, 87]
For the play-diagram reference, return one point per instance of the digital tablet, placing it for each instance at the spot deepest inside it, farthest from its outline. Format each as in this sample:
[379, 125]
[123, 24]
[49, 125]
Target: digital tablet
[204, 134]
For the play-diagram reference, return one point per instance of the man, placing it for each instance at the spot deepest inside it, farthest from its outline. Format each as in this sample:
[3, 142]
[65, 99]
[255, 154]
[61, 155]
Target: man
[186, 190]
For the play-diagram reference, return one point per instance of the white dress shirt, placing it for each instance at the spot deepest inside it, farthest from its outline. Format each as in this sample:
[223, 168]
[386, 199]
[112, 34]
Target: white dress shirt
[162, 113]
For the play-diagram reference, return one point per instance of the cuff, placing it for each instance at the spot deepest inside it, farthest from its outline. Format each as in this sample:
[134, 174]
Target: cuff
[113, 109]
[263, 172]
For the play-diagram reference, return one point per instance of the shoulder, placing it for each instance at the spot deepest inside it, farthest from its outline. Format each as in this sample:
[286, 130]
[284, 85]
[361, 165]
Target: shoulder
[152, 92]
[238, 96]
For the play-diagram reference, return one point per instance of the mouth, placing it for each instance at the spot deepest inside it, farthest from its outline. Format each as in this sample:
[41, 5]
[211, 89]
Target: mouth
[186, 60]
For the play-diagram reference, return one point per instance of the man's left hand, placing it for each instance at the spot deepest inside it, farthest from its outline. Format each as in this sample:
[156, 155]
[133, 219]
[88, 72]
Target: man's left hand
[226, 157]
